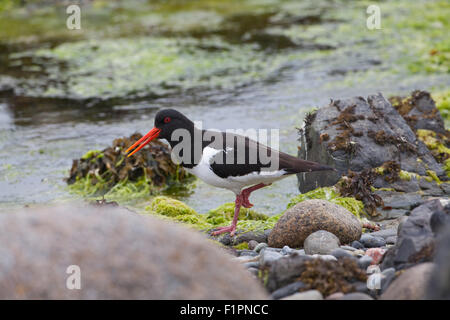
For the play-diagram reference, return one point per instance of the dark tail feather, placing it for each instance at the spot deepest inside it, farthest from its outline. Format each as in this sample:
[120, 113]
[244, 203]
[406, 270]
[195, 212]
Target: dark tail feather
[307, 166]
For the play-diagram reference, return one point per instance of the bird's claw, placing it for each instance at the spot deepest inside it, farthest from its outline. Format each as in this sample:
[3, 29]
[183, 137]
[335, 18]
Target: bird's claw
[231, 229]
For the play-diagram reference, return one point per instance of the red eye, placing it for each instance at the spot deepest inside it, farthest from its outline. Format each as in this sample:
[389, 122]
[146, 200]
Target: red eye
[167, 119]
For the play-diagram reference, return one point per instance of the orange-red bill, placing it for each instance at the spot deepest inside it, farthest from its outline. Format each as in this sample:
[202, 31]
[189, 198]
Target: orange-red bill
[152, 134]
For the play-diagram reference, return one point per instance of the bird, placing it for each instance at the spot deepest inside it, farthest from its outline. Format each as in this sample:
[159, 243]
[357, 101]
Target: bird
[223, 159]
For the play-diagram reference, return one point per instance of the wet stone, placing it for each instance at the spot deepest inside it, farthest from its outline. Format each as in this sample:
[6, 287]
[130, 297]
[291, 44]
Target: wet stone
[364, 262]
[370, 241]
[357, 245]
[288, 290]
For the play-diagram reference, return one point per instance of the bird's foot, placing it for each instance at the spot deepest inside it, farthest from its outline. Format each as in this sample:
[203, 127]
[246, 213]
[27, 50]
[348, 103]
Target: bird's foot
[245, 202]
[231, 229]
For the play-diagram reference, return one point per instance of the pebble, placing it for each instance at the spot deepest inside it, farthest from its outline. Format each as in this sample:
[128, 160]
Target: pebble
[376, 254]
[254, 271]
[267, 256]
[358, 253]
[364, 262]
[243, 253]
[391, 240]
[260, 246]
[370, 241]
[288, 290]
[321, 242]
[348, 248]
[341, 253]
[357, 245]
[253, 264]
[286, 250]
[388, 275]
[327, 257]
[252, 244]
[335, 296]
[245, 259]
[306, 295]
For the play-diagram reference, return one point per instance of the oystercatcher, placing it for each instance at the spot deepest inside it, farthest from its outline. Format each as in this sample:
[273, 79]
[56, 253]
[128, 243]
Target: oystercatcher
[224, 159]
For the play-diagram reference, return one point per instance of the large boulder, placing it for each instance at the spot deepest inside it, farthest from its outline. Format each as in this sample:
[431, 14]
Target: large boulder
[309, 216]
[357, 134]
[416, 239]
[439, 284]
[120, 255]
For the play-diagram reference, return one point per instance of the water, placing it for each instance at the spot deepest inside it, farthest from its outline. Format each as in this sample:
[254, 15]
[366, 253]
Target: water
[44, 125]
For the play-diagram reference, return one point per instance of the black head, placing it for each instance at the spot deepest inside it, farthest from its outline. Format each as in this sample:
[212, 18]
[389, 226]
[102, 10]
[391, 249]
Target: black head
[168, 120]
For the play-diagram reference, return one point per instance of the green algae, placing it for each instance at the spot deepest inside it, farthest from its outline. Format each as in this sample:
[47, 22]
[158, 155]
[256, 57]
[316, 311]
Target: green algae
[442, 100]
[356, 207]
[175, 210]
[241, 246]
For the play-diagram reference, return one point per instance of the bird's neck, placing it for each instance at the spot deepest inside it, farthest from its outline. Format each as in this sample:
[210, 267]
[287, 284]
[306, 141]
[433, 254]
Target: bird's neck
[187, 145]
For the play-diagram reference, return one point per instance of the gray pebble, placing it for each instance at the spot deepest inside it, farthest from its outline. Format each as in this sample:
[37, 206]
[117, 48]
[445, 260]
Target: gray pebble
[288, 290]
[253, 271]
[370, 241]
[391, 240]
[321, 242]
[341, 253]
[267, 256]
[364, 262]
[348, 248]
[260, 246]
[356, 296]
[252, 244]
[306, 295]
[357, 245]
[253, 264]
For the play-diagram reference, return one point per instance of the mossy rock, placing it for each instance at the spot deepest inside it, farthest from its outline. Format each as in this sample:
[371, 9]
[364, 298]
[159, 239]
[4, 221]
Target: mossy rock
[331, 194]
[225, 213]
[170, 207]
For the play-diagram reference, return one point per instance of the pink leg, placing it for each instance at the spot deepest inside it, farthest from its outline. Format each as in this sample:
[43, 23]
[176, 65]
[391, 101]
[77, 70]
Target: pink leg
[246, 193]
[231, 229]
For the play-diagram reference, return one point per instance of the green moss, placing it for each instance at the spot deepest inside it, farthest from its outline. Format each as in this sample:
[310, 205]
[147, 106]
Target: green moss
[406, 175]
[330, 194]
[434, 176]
[92, 154]
[241, 246]
[429, 138]
[170, 207]
[225, 212]
[447, 167]
[442, 100]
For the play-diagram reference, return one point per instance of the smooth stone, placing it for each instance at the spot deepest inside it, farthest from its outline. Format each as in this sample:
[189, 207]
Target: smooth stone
[327, 257]
[370, 241]
[309, 216]
[254, 271]
[288, 290]
[335, 296]
[267, 257]
[321, 242]
[411, 284]
[387, 276]
[364, 262]
[246, 253]
[286, 250]
[439, 284]
[357, 245]
[260, 246]
[386, 233]
[286, 270]
[306, 295]
[342, 253]
[252, 244]
[348, 248]
[356, 296]
[391, 240]
[359, 253]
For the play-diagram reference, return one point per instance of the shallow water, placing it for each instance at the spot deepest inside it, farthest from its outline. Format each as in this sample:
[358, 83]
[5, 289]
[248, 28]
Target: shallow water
[296, 63]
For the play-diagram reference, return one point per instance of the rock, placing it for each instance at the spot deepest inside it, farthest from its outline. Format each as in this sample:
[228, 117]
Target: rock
[327, 257]
[376, 254]
[439, 285]
[364, 262]
[253, 271]
[362, 134]
[356, 296]
[121, 255]
[411, 284]
[415, 241]
[306, 295]
[288, 290]
[391, 240]
[248, 236]
[309, 216]
[335, 296]
[267, 257]
[260, 246]
[321, 242]
[357, 245]
[398, 203]
[362, 286]
[244, 253]
[285, 271]
[341, 253]
[252, 244]
[348, 248]
[370, 241]
[387, 276]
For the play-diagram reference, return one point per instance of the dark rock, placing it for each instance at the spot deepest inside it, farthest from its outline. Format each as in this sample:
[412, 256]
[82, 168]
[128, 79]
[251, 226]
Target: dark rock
[364, 262]
[121, 255]
[391, 240]
[362, 134]
[411, 284]
[244, 252]
[341, 253]
[358, 245]
[249, 236]
[415, 241]
[439, 284]
[306, 217]
[285, 271]
[267, 257]
[321, 242]
[387, 276]
[361, 287]
[370, 241]
[440, 220]
[386, 233]
[288, 290]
